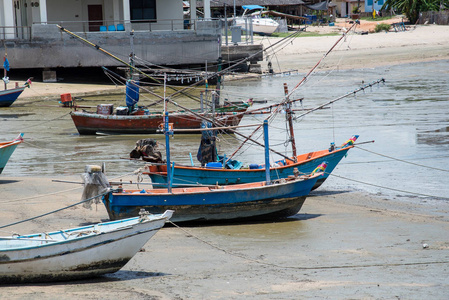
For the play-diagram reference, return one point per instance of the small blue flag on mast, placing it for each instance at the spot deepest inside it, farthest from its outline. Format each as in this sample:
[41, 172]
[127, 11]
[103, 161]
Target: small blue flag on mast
[6, 64]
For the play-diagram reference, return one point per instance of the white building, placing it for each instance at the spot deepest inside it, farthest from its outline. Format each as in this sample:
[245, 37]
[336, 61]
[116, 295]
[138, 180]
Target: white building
[162, 35]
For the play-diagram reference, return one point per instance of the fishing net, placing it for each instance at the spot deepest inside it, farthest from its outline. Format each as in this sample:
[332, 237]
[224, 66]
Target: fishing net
[95, 183]
[147, 149]
[207, 152]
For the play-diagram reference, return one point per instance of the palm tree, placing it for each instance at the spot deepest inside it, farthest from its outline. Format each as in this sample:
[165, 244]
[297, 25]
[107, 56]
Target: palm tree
[412, 8]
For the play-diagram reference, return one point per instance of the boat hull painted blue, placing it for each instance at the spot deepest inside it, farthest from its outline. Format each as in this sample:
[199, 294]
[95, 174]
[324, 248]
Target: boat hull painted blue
[185, 176]
[7, 97]
[264, 202]
[5, 154]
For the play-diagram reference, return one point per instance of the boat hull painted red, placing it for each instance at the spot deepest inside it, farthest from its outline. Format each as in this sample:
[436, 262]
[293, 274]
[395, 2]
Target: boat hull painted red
[92, 123]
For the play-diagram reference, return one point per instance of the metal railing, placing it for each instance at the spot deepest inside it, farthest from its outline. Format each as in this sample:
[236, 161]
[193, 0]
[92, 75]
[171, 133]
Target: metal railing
[112, 26]
[15, 32]
[244, 36]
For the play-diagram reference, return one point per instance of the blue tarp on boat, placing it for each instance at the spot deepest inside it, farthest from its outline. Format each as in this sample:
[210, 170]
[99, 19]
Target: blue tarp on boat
[251, 7]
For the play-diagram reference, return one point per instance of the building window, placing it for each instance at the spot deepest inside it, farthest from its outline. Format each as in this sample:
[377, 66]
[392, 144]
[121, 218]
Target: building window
[143, 10]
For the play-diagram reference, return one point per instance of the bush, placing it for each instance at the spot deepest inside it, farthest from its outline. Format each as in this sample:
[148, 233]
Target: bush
[382, 26]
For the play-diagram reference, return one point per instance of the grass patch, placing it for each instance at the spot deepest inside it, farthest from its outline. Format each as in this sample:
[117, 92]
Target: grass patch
[382, 27]
[378, 19]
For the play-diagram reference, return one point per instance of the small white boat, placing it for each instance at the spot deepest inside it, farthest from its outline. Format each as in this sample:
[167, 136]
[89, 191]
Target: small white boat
[260, 24]
[76, 253]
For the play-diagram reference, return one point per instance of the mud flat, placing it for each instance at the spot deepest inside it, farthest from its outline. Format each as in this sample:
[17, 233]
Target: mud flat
[342, 245]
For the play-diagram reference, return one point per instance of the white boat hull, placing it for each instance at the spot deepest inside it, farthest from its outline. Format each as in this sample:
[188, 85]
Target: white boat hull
[260, 25]
[38, 259]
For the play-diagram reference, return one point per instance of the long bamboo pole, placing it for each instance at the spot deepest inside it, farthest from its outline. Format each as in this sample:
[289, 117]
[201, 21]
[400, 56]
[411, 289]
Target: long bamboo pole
[300, 83]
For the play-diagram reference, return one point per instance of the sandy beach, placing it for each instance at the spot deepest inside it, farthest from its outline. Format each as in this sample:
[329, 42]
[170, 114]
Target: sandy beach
[344, 244]
[417, 44]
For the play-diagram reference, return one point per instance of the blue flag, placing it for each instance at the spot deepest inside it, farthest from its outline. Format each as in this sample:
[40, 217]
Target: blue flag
[6, 64]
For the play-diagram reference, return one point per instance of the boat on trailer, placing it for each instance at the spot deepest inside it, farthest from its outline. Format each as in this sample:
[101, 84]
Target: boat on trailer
[76, 253]
[260, 24]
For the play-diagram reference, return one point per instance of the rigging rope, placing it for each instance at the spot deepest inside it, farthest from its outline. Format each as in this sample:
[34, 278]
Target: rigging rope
[401, 160]
[44, 122]
[54, 211]
[319, 62]
[388, 188]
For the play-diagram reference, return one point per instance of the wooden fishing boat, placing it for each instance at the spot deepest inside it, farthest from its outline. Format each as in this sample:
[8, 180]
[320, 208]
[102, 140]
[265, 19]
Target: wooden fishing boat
[8, 96]
[76, 253]
[258, 200]
[216, 174]
[261, 200]
[6, 150]
[145, 122]
[224, 173]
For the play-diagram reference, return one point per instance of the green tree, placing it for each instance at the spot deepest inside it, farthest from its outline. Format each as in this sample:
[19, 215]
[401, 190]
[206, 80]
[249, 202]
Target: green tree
[412, 8]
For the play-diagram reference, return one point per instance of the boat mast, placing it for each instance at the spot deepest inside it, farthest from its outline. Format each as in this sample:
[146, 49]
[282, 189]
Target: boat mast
[288, 115]
[4, 71]
[267, 152]
[132, 54]
[167, 138]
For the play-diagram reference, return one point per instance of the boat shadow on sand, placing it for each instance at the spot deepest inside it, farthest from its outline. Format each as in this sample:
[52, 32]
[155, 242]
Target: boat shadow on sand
[120, 275]
[260, 220]
[6, 181]
[255, 221]
[327, 193]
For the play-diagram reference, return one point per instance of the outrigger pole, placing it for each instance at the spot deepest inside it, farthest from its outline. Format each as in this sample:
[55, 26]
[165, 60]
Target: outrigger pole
[226, 70]
[182, 91]
[324, 56]
[234, 131]
[343, 96]
[131, 66]
[107, 53]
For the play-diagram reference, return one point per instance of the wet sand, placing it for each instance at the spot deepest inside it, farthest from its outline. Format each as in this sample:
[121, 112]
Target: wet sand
[417, 44]
[342, 245]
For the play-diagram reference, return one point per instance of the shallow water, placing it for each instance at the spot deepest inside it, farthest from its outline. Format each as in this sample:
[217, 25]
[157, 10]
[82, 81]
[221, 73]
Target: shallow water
[407, 118]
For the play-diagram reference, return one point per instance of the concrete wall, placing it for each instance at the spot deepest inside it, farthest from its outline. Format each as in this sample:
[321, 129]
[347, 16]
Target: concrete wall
[51, 48]
[2, 14]
[64, 10]
[169, 9]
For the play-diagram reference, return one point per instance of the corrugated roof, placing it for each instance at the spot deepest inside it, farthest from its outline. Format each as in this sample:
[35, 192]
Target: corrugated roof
[238, 3]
